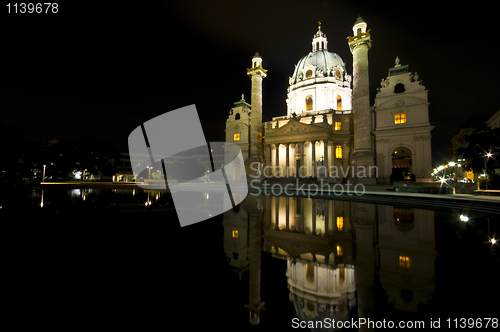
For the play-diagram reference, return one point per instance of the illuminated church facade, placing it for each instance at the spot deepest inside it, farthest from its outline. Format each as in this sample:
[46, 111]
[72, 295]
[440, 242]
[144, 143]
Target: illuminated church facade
[329, 121]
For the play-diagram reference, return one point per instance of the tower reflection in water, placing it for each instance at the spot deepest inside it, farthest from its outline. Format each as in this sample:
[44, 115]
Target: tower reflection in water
[335, 250]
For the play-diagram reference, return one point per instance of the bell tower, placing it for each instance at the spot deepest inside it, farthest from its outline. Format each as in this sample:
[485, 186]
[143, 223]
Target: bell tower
[362, 155]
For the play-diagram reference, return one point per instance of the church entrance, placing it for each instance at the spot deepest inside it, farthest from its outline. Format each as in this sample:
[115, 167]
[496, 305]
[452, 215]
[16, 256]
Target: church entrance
[401, 164]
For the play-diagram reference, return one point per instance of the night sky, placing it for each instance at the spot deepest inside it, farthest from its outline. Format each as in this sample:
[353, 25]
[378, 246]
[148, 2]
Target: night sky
[95, 70]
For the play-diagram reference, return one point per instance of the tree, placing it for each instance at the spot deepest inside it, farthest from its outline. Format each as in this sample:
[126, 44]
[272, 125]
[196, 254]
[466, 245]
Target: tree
[481, 141]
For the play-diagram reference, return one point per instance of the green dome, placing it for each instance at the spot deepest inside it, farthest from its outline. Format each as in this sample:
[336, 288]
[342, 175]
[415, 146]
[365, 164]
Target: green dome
[323, 60]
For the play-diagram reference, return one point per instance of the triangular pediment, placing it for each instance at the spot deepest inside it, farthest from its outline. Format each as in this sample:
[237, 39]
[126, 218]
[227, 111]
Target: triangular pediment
[297, 127]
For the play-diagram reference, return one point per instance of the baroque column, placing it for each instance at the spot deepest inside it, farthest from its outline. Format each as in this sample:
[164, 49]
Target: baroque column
[257, 73]
[359, 45]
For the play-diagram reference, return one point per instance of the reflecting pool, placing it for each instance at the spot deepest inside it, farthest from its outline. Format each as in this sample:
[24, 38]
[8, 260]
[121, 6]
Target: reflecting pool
[118, 258]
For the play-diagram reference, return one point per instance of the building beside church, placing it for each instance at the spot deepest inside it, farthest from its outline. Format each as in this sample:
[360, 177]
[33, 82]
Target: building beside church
[329, 121]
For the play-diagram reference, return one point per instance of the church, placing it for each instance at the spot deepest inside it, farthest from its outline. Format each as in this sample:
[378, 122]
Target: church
[330, 130]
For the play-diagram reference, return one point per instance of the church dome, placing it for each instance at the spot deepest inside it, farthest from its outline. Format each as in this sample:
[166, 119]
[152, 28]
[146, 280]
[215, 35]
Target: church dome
[322, 60]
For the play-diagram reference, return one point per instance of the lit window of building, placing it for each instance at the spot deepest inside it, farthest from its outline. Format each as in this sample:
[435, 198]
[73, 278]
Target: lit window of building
[340, 223]
[235, 233]
[400, 118]
[309, 103]
[338, 125]
[338, 152]
[310, 273]
[236, 137]
[340, 251]
[405, 262]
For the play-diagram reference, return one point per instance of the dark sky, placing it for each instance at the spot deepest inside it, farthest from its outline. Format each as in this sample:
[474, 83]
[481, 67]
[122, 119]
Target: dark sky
[100, 70]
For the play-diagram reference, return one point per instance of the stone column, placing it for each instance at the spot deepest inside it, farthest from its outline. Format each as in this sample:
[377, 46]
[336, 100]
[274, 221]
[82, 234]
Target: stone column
[313, 157]
[363, 216]
[277, 160]
[257, 73]
[359, 45]
[255, 304]
[287, 213]
[314, 210]
[301, 174]
[325, 157]
[287, 165]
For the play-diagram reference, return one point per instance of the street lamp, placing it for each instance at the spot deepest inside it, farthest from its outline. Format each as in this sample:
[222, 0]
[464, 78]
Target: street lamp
[149, 171]
[43, 177]
[486, 167]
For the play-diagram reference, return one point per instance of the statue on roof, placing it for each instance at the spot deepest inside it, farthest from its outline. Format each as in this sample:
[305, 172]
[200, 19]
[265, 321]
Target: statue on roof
[397, 62]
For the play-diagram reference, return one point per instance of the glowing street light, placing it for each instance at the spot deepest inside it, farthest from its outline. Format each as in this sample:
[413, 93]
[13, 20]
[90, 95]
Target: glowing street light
[149, 171]
[486, 167]
[464, 218]
[43, 177]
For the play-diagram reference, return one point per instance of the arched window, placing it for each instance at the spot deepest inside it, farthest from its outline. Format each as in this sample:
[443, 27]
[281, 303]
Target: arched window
[237, 116]
[310, 273]
[339, 103]
[359, 31]
[338, 152]
[399, 88]
[341, 274]
[309, 103]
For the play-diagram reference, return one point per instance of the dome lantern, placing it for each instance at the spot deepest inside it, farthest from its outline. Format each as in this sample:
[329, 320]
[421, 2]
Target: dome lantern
[319, 41]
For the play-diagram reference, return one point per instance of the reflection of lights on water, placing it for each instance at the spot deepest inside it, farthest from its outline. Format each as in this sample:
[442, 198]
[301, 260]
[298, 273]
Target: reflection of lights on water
[464, 218]
[207, 196]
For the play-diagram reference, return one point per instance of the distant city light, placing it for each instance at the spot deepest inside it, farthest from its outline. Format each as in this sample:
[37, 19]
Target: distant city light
[451, 163]
[464, 218]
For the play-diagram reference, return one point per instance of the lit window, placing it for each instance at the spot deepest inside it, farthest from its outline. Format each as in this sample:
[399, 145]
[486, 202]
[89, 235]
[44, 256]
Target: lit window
[338, 125]
[309, 103]
[340, 251]
[339, 102]
[400, 118]
[341, 273]
[340, 223]
[236, 137]
[310, 273]
[235, 233]
[338, 152]
[405, 262]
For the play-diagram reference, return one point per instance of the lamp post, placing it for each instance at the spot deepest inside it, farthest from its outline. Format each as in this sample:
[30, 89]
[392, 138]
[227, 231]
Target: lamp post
[43, 177]
[149, 172]
[486, 167]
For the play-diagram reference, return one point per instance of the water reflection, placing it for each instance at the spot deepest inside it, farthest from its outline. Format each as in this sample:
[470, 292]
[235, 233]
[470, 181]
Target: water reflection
[345, 260]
